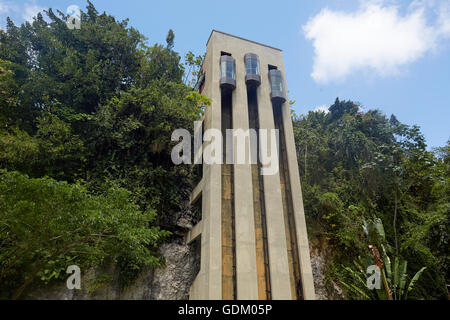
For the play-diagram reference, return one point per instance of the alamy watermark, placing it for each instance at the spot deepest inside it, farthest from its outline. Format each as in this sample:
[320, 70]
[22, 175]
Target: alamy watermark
[374, 278]
[74, 20]
[74, 280]
[242, 147]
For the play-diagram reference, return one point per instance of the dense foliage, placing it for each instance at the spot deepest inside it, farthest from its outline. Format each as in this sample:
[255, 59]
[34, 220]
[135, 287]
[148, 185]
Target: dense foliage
[93, 107]
[86, 117]
[359, 166]
[48, 225]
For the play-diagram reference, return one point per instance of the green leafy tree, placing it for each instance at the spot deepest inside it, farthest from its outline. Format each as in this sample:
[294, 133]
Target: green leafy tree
[46, 225]
[395, 284]
[356, 165]
[192, 65]
[95, 107]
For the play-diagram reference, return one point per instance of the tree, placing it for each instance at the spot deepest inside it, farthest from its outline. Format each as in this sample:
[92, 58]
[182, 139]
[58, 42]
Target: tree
[192, 64]
[90, 113]
[47, 225]
[8, 91]
[394, 275]
[170, 39]
[356, 165]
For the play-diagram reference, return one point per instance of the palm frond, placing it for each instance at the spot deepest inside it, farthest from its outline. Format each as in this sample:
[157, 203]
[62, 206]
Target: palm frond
[413, 281]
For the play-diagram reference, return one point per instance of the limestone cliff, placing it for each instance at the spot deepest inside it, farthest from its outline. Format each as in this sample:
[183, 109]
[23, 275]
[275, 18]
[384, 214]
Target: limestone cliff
[172, 282]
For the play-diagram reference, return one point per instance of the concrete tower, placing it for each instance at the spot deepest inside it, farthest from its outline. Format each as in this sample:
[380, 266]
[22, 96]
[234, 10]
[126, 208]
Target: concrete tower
[252, 231]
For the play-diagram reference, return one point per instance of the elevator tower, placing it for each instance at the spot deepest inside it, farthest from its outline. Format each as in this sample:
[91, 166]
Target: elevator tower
[252, 231]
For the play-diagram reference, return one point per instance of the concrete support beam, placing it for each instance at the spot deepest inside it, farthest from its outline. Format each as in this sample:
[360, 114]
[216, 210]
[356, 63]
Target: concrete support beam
[246, 275]
[194, 233]
[278, 259]
[210, 276]
[299, 212]
[197, 192]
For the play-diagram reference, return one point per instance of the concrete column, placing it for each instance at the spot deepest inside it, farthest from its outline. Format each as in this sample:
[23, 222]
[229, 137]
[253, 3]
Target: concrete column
[246, 275]
[210, 278]
[278, 259]
[297, 201]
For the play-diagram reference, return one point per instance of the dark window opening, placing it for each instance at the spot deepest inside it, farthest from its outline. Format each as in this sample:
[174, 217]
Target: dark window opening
[196, 210]
[198, 168]
[196, 248]
[200, 83]
[222, 53]
[271, 67]
[202, 87]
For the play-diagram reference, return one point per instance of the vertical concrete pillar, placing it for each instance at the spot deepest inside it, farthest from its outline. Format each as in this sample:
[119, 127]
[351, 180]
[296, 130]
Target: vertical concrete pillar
[210, 280]
[278, 259]
[297, 202]
[246, 275]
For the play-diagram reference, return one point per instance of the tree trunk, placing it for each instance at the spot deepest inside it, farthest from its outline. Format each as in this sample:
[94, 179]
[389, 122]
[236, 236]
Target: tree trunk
[306, 156]
[395, 219]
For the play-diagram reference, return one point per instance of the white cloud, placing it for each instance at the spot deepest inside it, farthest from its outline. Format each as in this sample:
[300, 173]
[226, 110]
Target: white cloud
[444, 19]
[322, 108]
[5, 7]
[30, 10]
[26, 11]
[375, 38]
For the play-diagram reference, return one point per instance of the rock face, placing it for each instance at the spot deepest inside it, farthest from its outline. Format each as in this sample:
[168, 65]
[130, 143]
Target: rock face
[174, 281]
[325, 289]
[171, 282]
[318, 264]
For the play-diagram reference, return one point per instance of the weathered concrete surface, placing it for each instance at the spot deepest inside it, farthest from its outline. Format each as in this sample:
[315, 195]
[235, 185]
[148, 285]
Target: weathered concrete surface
[276, 238]
[246, 275]
[208, 284]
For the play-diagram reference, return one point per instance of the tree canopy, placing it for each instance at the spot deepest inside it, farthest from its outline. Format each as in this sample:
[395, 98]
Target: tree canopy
[86, 117]
[359, 166]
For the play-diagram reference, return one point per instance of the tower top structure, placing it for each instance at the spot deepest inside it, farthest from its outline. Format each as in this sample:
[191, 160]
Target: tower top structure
[252, 231]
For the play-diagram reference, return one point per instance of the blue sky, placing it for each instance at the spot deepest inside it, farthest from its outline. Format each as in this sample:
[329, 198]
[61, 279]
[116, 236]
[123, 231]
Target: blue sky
[387, 54]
